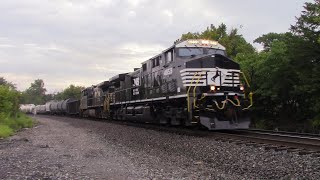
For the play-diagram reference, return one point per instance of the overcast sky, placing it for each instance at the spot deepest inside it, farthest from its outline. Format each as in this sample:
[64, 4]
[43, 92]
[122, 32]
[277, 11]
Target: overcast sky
[84, 42]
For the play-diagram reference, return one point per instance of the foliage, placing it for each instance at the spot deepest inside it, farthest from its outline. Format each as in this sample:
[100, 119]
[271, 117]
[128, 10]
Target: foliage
[5, 131]
[307, 25]
[9, 100]
[234, 42]
[267, 39]
[8, 124]
[306, 57]
[10, 117]
[6, 83]
[288, 73]
[35, 94]
[72, 91]
[316, 122]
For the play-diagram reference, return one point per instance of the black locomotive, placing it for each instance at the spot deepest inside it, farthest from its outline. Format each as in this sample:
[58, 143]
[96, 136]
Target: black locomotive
[191, 83]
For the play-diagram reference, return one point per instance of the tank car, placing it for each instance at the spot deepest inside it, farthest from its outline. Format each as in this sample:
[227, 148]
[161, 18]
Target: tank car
[40, 109]
[62, 106]
[48, 104]
[54, 107]
[28, 108]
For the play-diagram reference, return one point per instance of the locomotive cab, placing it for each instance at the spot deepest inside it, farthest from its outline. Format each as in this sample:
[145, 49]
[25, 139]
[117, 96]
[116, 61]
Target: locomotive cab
[213, 85]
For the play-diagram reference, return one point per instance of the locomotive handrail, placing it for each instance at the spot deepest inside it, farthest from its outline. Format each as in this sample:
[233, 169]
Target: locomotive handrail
[223, 104]
[233, 102]
[250, 94]
[188, 96]
[143, 88]
[251, 101]
[245, 78]
[202, 96]
[194, 90]
[106, 104]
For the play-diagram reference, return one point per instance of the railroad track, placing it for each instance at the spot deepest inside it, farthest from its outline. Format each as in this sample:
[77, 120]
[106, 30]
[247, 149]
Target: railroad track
[293, 142]
[281, 140]
[283, 132]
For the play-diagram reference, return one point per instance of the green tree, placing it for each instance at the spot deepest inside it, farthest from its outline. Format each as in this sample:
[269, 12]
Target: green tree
[288, 72]
[72, 91]
[9, 99]
[233, 41]
[267, 39]
[10, 117]
[35, 94]
[3, 81]
[306, 59]
[307, 25]
[276, 81]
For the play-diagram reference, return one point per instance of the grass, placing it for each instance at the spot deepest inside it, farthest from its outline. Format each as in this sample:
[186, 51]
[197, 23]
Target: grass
[9, 125]
[5, 131]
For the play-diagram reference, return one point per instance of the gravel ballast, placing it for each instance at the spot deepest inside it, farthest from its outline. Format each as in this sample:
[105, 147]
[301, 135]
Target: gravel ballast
[70, 148]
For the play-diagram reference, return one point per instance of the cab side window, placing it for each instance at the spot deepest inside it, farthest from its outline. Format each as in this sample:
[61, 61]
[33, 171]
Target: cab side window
[144, 67]
[169, 56]
[156, 61]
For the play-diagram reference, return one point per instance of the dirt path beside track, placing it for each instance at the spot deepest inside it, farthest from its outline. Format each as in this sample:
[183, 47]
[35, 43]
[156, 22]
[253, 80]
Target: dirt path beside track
[69, 148]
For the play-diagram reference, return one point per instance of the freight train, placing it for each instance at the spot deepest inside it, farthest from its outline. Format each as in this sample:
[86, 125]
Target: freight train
[192, 83]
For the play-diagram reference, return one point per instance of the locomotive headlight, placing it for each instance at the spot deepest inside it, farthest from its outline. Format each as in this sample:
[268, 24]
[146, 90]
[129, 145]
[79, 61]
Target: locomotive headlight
[241, 88]
[212, 88]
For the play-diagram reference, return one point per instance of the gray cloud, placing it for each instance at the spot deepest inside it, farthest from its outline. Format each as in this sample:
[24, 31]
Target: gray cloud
[88, 41]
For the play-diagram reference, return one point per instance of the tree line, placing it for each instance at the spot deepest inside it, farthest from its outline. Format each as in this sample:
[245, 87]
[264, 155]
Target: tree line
[36, 93]
[285, 75]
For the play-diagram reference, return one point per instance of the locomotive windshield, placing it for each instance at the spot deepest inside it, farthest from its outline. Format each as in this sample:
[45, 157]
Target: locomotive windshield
[191, 51]
[216, 51]
[184, 52]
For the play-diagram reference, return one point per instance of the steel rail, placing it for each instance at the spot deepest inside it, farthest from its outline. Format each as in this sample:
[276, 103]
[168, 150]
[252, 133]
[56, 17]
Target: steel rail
[289, 140]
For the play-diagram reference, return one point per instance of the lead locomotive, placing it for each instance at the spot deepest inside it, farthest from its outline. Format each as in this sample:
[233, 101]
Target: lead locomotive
[191, 83]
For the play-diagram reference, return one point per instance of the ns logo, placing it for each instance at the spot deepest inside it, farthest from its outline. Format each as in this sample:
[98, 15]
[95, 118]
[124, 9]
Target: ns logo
[215, 78]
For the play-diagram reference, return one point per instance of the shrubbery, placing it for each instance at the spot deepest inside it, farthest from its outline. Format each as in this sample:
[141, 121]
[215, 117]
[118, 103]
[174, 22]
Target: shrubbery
[11, 119]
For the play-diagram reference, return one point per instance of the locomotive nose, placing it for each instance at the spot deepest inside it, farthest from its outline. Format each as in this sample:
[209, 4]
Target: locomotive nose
[213, 61]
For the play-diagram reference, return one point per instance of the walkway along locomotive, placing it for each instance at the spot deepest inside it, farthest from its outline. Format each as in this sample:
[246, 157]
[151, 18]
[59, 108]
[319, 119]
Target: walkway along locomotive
[191, 83]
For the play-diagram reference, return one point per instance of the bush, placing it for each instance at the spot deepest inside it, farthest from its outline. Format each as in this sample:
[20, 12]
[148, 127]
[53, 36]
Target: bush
[5, 131]
[8, 125]
[9, 101]
[24, 121]
[11, 119]
[316, 123]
